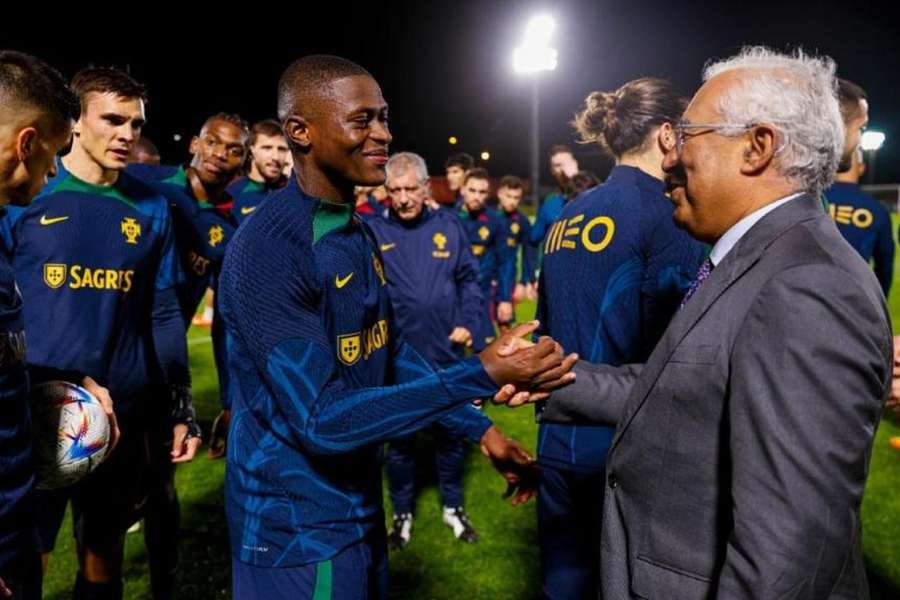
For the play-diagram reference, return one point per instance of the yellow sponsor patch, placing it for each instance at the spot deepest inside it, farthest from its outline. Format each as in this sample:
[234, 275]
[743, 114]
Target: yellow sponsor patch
[54, 274]
[844, 214]
[349, 347]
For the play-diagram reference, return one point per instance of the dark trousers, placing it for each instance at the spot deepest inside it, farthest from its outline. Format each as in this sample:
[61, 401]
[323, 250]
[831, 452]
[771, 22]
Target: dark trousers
[24, 576]
[161, 514]
[570, 507]
[401, 467]
[359, 572]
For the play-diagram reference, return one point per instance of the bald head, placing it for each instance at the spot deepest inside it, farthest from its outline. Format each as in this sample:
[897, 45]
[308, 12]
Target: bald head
[307, 81]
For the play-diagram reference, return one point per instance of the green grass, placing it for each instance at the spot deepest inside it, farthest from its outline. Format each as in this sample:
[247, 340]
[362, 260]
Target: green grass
[502, 565]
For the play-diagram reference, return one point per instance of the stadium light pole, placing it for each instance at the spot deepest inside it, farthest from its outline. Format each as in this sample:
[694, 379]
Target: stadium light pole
[871, 142]
[531, 57]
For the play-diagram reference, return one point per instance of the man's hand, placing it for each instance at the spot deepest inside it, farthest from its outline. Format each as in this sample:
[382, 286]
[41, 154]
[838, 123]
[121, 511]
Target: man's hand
[531, 291]
[520, 292]
[102, 394]
[535, 368]
[5, 592]
[513, 462]
[893, 402]
[504, 312]
[218, 437]
[183, 447]
[509, 396]
[461, 335]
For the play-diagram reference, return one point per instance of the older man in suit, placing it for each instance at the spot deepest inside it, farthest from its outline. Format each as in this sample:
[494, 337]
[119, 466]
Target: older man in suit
[742, 445]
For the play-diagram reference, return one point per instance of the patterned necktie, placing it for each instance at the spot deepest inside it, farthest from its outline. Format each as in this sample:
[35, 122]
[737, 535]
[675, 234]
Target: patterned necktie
[702, 273]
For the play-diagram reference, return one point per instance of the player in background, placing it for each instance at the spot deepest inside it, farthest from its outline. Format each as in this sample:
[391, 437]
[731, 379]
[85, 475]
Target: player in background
[487, 237]
[614, 272]
[268, 155]
[563, 166]
[518, 237]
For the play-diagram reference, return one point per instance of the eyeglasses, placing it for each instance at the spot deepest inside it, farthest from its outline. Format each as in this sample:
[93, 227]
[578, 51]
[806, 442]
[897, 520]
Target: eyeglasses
[682, 126]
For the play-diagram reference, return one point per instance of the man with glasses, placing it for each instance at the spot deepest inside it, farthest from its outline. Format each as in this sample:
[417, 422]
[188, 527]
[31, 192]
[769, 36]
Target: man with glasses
[433, 284]
[741, 451]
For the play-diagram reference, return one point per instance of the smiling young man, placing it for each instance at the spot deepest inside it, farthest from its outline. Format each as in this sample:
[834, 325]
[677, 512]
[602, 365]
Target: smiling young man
[320, 380]
[203, 224]
[95, 250]
[268, 156]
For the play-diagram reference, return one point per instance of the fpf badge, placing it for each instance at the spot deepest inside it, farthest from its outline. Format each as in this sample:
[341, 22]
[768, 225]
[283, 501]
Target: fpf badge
[131, 229]
[216, 235]
[440, 242]
[349, 347]
[54, 275]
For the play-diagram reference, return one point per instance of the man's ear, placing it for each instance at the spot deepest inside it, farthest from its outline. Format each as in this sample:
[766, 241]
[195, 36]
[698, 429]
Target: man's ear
[761, 147]
[194, 146]
[296, 128]
[26, 142]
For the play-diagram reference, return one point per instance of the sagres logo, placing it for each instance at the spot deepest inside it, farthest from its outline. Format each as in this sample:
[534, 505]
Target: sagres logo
[131, 229]
[216, 235]
[349, 346]
[54, 274]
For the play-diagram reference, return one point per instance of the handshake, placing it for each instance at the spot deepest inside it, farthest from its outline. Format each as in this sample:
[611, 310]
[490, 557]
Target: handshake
[525, 371]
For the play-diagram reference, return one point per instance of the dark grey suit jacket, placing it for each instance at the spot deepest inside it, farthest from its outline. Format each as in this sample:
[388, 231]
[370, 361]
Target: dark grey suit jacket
[742, 445]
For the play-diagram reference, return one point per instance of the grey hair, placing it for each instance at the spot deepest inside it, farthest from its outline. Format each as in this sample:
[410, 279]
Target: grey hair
[401, 162]
[795, 93]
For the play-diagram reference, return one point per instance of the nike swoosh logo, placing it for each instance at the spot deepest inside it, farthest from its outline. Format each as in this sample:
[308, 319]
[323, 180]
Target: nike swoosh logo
[386, 247]
[45, 221]
[246, 210]
[339, 283]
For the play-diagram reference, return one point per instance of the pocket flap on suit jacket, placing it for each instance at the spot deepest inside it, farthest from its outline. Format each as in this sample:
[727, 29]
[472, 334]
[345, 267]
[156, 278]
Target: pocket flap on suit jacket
[695, 354]
[652, 579]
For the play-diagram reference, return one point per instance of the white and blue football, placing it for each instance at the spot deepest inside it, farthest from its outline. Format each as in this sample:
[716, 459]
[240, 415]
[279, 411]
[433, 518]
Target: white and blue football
[71, 433]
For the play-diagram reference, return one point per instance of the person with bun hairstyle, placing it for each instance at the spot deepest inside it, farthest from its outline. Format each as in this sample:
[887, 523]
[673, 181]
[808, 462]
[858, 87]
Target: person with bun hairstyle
[615, 270]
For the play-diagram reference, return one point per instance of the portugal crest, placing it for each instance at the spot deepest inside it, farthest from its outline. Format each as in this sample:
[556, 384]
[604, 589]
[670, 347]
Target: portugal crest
[349, 347]
[131, 229]
[216, 235]
[484, 232]
[54, 274]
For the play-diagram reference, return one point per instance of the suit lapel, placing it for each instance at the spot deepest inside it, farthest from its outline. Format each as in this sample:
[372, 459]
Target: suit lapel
[742, 257]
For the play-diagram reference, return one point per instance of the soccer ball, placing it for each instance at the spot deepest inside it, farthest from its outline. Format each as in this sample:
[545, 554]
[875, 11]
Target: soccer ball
[71, 433]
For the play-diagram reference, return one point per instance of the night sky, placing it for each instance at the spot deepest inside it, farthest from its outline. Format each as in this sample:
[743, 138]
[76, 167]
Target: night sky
[445, 67]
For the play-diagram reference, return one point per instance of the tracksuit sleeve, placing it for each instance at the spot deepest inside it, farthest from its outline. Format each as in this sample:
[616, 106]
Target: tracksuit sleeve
[282, 334]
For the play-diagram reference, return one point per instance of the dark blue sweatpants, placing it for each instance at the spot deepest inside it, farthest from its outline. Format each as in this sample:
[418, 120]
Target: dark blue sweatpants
[401, 468]
[359, 572]
[570, 507]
